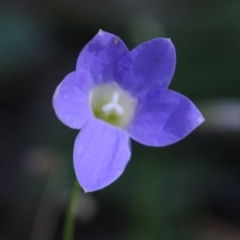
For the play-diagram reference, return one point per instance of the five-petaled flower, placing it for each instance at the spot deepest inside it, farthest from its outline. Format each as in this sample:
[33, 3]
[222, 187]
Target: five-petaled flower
[115, 94]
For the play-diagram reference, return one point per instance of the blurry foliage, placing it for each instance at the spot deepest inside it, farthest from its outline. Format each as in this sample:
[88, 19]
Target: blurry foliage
[178, 192]
[208, 51]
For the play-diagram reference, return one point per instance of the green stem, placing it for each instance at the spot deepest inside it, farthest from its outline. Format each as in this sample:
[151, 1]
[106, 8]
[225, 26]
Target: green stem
[69, 224]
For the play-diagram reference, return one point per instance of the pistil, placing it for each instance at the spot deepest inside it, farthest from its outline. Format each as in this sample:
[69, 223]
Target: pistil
[113, 105]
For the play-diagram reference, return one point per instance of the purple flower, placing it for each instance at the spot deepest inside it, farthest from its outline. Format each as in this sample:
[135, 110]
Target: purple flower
[115, 94]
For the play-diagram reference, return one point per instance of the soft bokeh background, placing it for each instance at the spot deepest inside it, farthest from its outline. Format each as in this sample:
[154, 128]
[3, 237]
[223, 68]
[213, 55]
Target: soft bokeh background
[190, 190]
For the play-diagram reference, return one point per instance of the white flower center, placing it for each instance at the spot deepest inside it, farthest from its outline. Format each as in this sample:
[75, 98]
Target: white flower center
[113, 105]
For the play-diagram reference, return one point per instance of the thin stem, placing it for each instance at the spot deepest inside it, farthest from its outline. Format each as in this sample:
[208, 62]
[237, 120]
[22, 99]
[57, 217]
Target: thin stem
[68, 232]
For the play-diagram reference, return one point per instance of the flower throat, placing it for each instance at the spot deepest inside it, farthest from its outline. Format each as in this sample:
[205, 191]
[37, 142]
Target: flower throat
[112, 104]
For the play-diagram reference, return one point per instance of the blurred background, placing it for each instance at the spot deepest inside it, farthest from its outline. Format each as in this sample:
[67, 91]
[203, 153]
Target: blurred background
[189, 190]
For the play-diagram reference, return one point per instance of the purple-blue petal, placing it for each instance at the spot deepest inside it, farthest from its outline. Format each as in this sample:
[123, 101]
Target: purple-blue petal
[101, 153]
[149, 65]
[100, 55]
[71, 100]
[163, 117]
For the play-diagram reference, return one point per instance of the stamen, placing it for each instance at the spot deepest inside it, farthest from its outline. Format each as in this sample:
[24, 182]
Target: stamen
[113, 105]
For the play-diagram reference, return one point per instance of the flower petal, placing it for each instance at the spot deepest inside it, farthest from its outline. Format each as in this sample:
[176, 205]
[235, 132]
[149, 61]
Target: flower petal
[149, 65]
[163, 117]
[71, 101]
[100, 55]
[101, 153]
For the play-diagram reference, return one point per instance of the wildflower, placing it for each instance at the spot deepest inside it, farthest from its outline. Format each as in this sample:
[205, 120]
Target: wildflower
[115, 94]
